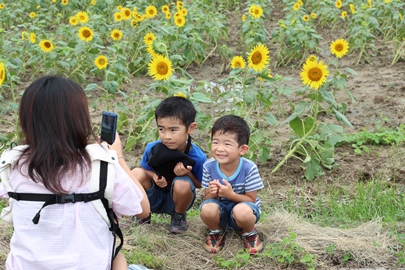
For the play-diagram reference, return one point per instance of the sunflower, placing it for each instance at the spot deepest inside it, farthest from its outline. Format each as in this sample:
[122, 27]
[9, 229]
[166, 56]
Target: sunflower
[117, 16]
[184, 11]
[116, 34]
[82, 16]
[165, 8]
[400, 16]
[24, 35]
[2, 6]
[180, 21]
[101, 62]
[160, 68]
[305, 18]
[65, 2]
[314, 74]
[149, 38]
[2, 73]
[151, 11]
[46, 45]
[151, 51]
[93, 2]
[338, 3]
[243, 17]
[296, 6]
[138, 17]
[344, 14]
[256, 11]
[168, 15]
[387, 1]
[311, 58]
[179, 4]
[313, 15]
[178, 14]
[73, 20]
[180, 94]
[134, 23]
[370, 4]
[238, 62]
[85, 34]
[339, 47]
[33, 15]
[33, 37]
[119, 7]
[353, 9]
[126, 13]
[259, 57]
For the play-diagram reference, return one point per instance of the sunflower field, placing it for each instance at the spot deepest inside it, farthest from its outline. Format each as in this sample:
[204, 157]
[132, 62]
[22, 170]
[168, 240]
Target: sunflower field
[129, 55]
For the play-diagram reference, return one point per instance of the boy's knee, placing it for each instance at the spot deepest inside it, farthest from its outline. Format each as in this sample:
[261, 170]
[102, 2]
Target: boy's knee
[242, 211]
[210, 209]
[142, 177]
[181, 187]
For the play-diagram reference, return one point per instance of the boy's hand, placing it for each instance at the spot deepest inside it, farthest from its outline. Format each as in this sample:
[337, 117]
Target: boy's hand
[160, 181]
[213, 186]
[225, 190]
[180, 170]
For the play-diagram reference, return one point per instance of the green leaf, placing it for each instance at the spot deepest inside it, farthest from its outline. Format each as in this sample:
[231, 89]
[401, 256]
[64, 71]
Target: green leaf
[313, 169]
[91, 86]
[130, 143]
[302, 127]
[200, 97]
[341, 117]
[271, 119]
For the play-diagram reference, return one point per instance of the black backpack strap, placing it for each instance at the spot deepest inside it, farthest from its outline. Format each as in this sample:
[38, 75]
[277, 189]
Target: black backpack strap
[188, 145]
[114, 228]
[50, 199]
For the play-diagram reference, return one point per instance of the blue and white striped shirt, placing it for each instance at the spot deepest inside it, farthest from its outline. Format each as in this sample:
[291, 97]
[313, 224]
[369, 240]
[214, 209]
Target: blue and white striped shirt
[246, 178]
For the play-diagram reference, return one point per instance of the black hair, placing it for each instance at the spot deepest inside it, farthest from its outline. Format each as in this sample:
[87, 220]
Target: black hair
[232, 124]
[176, 107]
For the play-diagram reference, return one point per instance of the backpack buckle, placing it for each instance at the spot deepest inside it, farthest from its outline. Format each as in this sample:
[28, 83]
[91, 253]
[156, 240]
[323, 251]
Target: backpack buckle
[67, 198]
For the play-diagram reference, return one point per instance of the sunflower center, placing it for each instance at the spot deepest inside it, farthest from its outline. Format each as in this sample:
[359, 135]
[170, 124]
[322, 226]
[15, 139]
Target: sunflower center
[256, 58]
[86, 33]
[101, 61]
[256, 11]
[179, 20]
[238, 64]
[127, 13]
[47, 45]
[339, 47]
[116, 35]
[162, 68]
[1, 74]
[315, 74]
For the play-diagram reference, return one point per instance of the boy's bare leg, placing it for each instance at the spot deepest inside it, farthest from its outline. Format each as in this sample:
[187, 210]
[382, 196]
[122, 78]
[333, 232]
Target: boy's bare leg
[210, 215]
[244, 217]
[120, 262]
[182, 196]
[142, 177]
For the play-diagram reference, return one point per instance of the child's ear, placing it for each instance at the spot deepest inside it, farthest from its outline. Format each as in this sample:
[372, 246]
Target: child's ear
[244, 148]
[191, 128]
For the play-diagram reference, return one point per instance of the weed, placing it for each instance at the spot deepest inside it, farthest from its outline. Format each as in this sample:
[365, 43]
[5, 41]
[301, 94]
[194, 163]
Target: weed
[240, 259]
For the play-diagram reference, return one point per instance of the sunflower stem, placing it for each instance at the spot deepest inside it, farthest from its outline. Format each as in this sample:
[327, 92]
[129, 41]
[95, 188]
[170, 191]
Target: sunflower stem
[301, 141]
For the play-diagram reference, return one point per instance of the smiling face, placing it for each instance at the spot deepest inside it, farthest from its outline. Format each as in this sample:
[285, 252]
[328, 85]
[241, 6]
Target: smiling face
[173, 133]
[225, 148]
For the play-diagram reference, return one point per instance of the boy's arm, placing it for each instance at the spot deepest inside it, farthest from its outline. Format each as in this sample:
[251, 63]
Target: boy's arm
[209, 195]
[179, 170]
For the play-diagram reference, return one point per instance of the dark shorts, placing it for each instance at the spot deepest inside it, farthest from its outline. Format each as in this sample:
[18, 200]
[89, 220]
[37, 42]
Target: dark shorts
[161, 199]
[226, 208]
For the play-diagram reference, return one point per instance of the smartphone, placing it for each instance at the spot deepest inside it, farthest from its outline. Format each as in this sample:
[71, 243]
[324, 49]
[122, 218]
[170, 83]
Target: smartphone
[108, 127]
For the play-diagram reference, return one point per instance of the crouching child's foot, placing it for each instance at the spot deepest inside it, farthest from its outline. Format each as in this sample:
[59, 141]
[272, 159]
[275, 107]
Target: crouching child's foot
[178, 223]
[252, 241]
[141, 221]
[214, 241]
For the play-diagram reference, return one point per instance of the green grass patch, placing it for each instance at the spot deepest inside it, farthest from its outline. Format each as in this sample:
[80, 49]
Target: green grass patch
[364, 202]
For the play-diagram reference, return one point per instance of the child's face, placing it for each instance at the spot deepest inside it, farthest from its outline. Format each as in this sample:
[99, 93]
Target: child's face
[173, 133]
[225, 148]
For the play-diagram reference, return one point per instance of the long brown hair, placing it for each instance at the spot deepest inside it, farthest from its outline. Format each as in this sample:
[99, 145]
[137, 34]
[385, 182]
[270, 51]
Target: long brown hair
[55, 120]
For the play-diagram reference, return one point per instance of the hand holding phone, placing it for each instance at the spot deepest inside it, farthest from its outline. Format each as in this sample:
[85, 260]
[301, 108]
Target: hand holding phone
[108, 127]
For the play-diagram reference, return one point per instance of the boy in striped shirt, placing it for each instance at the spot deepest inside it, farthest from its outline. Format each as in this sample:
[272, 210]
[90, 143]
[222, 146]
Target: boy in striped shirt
[231, 184]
